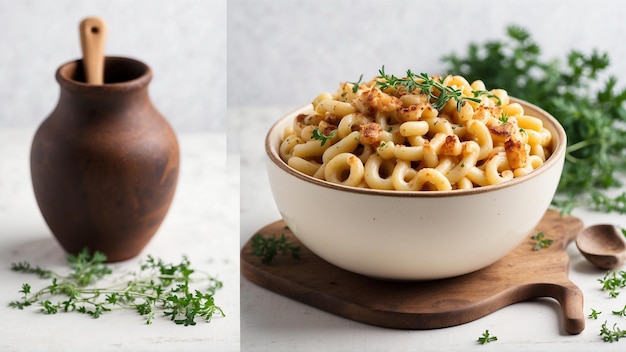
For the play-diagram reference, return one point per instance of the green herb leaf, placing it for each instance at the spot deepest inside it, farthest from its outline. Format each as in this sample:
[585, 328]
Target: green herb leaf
[25, 267]
[620, 312]
[268, 247]
[504, 119]
[486, 338]
[355, 85]
[317, 134]
[594, 314]
[541, 241]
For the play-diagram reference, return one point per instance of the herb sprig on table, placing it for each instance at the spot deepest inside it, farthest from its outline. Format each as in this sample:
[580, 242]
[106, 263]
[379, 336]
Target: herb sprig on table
[157, 287]
[594, 118]
[613, 334]
[594, 314]
[541, 241]
[613, 282]
[268, 247]
[486, 338]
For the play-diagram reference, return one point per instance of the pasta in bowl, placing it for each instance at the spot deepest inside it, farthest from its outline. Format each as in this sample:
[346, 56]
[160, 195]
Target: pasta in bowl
[397, 182]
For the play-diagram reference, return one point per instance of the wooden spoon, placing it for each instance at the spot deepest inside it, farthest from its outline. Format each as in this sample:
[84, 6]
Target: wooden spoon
[603, 245]
[93, 34]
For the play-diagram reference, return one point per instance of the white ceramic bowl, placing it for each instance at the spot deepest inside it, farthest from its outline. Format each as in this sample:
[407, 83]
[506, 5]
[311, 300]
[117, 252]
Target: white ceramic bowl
[413, 235]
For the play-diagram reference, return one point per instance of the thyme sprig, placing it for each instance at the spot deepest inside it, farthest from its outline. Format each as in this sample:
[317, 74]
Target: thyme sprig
[594, 314]
[438, 93]
[621, 312]
[541, 241]
[613, 334]
[268, 247]
[355, 85]
[157, 287]
[612, 282]
[486, 338]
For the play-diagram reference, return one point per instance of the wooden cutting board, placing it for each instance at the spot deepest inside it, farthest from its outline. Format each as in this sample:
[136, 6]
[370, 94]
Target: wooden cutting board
[522, 275]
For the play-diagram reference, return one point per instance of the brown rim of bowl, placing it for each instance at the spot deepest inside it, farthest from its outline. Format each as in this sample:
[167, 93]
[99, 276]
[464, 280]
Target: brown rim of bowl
[559, 140]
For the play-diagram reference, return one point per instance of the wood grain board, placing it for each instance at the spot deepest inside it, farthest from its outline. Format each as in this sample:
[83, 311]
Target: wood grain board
[522, 275]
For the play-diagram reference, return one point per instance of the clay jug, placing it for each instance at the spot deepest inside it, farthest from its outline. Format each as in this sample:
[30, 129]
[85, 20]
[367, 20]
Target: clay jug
[105, 163]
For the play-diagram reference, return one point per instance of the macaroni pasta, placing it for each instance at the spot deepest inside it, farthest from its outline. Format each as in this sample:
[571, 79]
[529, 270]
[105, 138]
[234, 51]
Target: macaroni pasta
[410, 138]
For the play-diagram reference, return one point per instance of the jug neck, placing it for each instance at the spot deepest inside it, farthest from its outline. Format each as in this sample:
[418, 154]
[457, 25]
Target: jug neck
[125, 82]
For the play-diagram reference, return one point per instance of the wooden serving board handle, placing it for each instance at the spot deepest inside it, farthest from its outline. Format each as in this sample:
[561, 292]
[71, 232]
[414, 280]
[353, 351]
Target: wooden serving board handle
[522, 275]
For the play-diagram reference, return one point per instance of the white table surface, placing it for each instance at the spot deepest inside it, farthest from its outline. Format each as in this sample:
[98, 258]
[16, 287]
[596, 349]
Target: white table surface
[271, 322]
[202, 223]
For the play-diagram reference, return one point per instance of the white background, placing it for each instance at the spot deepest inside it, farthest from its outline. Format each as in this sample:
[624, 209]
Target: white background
[183, 41]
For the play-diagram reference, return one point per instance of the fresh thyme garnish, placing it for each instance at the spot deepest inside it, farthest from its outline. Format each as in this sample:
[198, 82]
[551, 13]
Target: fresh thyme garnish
[355, 85]
[621, 312]
[613, 282]
[610, 335]
[319, 135]
[504, 118]
[157, 287]
[594, 314]
[542, 242]
[478, 93]
[438, 93]
[268, 247]
[486, 338]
